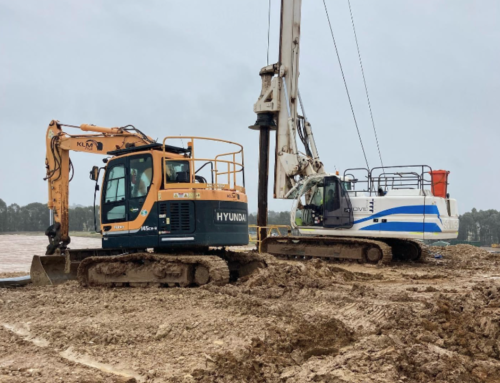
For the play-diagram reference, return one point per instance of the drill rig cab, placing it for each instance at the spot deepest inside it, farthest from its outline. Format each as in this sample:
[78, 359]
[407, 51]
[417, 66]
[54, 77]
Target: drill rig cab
[161, 209]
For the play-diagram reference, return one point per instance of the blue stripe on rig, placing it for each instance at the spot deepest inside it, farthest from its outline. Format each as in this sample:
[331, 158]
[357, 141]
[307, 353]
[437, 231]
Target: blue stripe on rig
[427, 227]
[415, 209]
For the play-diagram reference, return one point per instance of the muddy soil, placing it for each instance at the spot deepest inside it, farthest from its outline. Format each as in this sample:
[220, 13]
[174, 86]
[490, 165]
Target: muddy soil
[438, 320]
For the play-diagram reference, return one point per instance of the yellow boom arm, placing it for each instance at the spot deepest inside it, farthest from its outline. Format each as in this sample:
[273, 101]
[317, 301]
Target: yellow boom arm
[58, 164]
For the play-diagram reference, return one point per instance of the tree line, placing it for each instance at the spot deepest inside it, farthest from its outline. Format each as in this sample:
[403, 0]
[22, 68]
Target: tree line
[35, 217]
[480, 226]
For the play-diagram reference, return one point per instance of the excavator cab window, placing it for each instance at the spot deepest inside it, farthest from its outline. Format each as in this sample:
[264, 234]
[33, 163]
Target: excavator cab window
[114, 197]
[178, 172]
[141, 175]
[126, 187]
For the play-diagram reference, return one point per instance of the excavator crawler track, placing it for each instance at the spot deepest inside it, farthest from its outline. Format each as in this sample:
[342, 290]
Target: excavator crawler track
[381, 250]
[146, 269]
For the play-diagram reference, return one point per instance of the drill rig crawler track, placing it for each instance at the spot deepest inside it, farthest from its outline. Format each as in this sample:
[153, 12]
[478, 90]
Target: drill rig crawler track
[381, 251]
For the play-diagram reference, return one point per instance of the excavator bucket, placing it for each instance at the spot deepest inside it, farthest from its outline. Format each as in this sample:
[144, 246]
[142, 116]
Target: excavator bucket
[49, 270]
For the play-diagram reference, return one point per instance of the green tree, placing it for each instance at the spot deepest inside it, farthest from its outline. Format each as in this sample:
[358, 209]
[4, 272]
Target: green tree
[13, 223]
[3, 216]
[482, 226]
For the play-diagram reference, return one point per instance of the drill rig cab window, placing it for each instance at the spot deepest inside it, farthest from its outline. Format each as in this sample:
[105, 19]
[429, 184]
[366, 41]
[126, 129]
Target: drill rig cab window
[328, 205]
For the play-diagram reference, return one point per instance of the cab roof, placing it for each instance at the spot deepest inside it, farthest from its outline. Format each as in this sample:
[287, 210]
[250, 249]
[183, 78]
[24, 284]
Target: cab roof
[154, 146]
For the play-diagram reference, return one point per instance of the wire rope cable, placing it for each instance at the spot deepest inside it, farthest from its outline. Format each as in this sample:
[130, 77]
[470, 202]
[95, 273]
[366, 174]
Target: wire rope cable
[345, 84]
[364, 81]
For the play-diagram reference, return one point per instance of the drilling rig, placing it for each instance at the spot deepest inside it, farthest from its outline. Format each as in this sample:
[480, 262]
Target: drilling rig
[371, 215]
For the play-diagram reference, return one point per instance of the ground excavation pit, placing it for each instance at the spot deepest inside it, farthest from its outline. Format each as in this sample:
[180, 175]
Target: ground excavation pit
[436, 321]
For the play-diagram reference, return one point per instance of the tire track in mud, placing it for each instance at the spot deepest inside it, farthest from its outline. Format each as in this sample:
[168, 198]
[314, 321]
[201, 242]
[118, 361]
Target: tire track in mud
[23, 331]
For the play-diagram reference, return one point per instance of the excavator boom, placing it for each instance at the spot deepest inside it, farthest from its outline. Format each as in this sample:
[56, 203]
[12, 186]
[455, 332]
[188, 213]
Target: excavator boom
[59, 167]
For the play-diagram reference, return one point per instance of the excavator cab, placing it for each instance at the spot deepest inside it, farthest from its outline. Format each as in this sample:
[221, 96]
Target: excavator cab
[154, 199]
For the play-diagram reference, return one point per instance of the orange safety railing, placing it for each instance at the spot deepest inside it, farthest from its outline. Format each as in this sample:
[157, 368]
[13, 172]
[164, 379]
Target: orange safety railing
[224, 170]
[271, 230]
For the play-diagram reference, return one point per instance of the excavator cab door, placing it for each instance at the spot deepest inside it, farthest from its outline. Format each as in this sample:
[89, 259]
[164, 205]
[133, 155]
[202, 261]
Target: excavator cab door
[114, 212]
[337, 208]
[141, 175]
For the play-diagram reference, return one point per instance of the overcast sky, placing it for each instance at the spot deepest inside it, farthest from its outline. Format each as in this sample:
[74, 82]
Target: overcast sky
[191, 67]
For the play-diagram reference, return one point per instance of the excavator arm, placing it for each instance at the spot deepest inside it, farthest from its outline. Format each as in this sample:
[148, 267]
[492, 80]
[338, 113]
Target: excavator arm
[59, 168]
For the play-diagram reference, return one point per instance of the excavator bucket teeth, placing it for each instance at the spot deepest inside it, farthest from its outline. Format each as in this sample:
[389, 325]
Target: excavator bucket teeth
[49, 270]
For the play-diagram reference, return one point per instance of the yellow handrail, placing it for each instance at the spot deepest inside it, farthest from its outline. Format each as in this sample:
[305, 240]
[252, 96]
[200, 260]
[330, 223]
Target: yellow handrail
[237, 167]
[269, 232]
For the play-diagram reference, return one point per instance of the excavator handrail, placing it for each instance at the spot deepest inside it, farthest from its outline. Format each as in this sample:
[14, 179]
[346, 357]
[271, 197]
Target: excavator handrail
[202, 138]
[233, 166]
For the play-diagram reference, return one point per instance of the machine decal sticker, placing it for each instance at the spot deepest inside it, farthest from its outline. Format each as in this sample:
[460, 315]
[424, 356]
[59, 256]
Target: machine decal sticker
[144, 213]
[90, 145]
[427, 227]
[228, 216]
[148, 228]
[186, 195]
[415, 209]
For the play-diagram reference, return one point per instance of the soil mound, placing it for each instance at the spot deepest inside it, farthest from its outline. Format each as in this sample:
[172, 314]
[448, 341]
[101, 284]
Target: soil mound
[266, 358]
[310, 274]
[466, 256]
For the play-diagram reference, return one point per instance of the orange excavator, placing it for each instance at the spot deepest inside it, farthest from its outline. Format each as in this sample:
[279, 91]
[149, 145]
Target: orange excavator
[166, 216]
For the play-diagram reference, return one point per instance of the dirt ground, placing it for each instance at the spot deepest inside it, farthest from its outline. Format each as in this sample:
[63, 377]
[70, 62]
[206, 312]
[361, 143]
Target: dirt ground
[437, 321]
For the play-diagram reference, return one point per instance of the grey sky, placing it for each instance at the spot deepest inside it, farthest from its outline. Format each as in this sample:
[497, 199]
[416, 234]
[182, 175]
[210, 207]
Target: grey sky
[191, 67]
